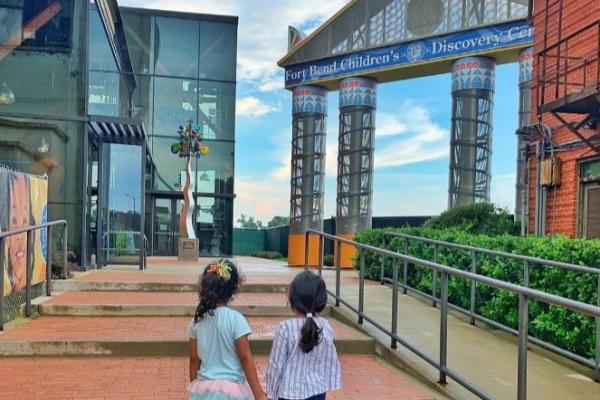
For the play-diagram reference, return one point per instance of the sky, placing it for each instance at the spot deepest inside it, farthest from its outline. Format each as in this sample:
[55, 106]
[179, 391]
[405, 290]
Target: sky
[413, 120]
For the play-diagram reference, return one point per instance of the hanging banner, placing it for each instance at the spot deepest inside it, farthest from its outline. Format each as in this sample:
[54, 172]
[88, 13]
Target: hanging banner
[480, 40]
[23, 202]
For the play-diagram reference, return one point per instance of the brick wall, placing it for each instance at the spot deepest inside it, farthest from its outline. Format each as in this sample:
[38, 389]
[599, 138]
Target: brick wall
[562, 202]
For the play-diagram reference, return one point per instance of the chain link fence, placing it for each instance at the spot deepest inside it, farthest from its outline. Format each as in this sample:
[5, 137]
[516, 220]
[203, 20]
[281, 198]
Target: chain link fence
[14, 301]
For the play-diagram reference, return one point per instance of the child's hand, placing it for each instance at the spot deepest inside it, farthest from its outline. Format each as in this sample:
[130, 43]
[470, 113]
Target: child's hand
[262, 396]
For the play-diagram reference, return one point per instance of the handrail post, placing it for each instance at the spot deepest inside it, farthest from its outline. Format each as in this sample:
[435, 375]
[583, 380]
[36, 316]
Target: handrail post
[473, 288]
[361, 287]
[28, 273]
[434, 276]
[382, 267]
[598, 334]
[49, 261]
[65, 259]
[526, 273]
[306, 238]
[321, 240]
[394, 343]
[443, 329]
[523, 337]
[338, 271]
[1, 287]
[405, 272]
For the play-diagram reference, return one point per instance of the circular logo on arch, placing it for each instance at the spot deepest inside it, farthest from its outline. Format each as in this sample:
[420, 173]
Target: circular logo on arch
[415, 51]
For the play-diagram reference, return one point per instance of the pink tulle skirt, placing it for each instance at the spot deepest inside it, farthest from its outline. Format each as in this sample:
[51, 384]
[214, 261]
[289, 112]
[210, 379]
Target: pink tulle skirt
[219, 390]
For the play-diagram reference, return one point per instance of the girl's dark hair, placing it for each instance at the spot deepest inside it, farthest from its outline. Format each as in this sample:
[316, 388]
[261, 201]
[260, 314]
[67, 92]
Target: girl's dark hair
[218, 283]
[308, 295]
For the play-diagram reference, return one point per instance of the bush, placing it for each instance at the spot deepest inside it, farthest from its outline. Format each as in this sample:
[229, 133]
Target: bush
[269, 255]
[480, 218]
[556, 325]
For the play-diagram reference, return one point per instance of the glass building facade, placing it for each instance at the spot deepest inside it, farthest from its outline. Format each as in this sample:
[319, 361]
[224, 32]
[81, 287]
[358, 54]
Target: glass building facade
[86, 79]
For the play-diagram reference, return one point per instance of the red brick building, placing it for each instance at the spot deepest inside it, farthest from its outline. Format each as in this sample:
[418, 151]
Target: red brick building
[564, 139]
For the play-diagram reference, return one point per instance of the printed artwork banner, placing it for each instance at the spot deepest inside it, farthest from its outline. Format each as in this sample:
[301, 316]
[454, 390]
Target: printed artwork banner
[23, 203]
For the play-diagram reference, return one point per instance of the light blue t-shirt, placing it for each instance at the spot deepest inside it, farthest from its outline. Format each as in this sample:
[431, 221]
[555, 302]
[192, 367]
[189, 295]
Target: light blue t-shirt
[216, 336]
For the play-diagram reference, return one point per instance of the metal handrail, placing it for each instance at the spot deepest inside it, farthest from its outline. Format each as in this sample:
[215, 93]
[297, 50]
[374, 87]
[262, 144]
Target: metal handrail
[29, 270]
[524, 293]
[527, 261]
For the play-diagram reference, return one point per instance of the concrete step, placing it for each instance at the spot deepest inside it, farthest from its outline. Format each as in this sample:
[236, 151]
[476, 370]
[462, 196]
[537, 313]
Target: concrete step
[149, 336]
[73, 285]
[153, 304]
[160, 378]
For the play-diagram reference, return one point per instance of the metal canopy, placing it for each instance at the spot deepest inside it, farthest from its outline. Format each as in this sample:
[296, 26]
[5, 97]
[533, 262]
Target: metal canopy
[120, 130]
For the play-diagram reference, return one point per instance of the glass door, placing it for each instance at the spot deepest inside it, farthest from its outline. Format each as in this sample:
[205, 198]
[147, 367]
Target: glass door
[166, 225]
[120, 206]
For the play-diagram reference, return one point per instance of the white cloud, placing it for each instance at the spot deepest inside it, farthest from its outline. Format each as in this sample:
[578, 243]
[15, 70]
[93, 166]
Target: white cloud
[263, 24]
[502, 192]
[420, 138]
[252, 107]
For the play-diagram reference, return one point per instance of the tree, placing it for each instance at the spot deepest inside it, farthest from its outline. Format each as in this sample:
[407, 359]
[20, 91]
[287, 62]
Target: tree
[278, 221]
[246, 221]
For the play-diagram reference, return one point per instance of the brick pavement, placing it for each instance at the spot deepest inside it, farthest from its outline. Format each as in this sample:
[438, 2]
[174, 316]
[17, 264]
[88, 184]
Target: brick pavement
[165, 378]
[164, 298]
[136, 328]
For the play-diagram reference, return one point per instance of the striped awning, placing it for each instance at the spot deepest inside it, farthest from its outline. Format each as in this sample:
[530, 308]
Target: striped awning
[111, 129]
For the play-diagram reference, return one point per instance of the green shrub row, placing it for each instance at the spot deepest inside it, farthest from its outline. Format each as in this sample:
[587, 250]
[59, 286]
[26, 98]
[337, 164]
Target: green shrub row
[556, 325]
[269, 255]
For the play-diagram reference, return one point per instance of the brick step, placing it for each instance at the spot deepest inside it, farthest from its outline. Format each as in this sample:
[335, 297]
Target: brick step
[111, 281]
[159, 378]
[153, 304]
[149, 336]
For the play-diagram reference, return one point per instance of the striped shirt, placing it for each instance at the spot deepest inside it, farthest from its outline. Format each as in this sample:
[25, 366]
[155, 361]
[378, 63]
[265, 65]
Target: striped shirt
[293, 374]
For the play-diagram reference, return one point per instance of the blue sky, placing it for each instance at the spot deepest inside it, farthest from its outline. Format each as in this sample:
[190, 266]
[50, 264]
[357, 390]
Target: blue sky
[413, 119]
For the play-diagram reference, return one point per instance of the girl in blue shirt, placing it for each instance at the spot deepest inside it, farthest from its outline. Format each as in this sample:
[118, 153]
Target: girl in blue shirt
[221, 364]
[304, 364]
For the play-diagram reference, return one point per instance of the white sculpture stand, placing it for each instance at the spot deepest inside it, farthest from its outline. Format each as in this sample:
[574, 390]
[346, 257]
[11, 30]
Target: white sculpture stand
[188, 246]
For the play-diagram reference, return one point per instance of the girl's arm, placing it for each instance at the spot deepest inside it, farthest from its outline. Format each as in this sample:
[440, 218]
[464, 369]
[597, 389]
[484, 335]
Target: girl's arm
[194, 359]
[245, 355]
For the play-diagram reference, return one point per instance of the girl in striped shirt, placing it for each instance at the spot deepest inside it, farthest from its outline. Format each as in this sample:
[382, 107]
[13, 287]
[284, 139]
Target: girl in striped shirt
[304, 362]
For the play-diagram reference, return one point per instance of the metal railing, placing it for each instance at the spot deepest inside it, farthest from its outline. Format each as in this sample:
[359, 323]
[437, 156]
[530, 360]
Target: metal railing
[524, 293]
[142, 252]
[29, 268]
[527, 261]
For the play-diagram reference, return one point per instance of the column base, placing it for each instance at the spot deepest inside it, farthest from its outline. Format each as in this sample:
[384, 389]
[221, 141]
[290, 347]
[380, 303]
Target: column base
[188, 249]
[348, 252]
[296, 250]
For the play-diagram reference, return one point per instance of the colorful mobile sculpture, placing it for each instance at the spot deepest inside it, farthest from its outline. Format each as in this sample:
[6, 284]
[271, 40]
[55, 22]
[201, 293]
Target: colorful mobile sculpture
[190, 145]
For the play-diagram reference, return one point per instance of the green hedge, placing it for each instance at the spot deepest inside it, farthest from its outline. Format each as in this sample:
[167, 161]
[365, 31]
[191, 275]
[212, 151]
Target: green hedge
[553, 324]
[269, 255]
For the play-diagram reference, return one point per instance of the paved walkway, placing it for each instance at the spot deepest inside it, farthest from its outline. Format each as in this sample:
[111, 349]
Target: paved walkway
[152, 318]
[480, 355]
[164, 378]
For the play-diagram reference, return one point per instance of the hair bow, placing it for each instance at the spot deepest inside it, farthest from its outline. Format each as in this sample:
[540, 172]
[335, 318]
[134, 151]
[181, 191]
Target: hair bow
[221, 269]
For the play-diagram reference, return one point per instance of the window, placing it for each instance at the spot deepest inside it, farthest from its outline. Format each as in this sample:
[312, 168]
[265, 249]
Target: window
[174, 104]
[217, 51]
[590, 199]
[176, 47]
[138, 32]
[101, 55]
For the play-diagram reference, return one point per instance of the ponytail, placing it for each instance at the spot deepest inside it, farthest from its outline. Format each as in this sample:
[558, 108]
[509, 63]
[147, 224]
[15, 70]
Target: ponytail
[308, 295]
[310, 335]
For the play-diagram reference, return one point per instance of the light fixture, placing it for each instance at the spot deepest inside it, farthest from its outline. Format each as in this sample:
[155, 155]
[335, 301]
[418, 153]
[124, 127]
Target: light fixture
[6, 94]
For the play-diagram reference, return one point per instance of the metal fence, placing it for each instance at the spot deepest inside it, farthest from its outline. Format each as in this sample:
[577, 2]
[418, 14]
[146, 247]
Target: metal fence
[528, 263]
[524, 293]
[10, 305]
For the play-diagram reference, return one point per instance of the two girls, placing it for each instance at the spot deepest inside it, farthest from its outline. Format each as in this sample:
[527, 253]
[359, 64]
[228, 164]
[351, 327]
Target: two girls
[303, 362]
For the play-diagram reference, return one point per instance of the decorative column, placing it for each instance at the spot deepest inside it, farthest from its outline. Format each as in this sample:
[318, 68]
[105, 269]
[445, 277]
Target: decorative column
[525, 76]
[358, 97]
[473, 81]
[309, 123]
